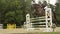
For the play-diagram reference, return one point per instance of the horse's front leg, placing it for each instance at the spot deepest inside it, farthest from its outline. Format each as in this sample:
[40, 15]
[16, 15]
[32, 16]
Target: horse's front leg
[33, 11]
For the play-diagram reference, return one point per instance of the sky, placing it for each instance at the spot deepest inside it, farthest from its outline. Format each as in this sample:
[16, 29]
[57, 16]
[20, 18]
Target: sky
[51, 1]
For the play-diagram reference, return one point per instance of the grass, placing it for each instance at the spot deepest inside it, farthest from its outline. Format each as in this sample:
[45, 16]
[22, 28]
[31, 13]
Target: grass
[51, 33]
[40, 33]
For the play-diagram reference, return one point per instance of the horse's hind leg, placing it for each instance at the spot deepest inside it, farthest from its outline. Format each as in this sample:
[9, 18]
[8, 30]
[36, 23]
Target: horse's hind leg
[54, 18]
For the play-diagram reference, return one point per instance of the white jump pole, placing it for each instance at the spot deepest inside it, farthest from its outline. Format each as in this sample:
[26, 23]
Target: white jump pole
[46, 19]
[46, 16]
[27, 21]
[28, 18]
[50, 17]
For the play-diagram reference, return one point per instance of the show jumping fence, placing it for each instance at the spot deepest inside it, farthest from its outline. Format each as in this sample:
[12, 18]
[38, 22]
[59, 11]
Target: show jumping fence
[44, 21]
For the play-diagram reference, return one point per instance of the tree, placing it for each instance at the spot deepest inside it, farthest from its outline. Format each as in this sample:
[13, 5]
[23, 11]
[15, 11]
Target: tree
[13, 10]
[58, 12]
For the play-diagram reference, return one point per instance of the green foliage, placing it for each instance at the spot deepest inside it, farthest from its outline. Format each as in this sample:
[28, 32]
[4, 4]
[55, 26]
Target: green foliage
[51, 33]
[11, 10]
[58, 11]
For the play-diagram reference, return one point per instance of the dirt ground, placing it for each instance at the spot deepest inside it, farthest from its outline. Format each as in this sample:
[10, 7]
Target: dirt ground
[23, 31]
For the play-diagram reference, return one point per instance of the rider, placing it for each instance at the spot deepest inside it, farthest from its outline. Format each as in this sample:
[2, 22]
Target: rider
[44, 4]
[35, 2]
